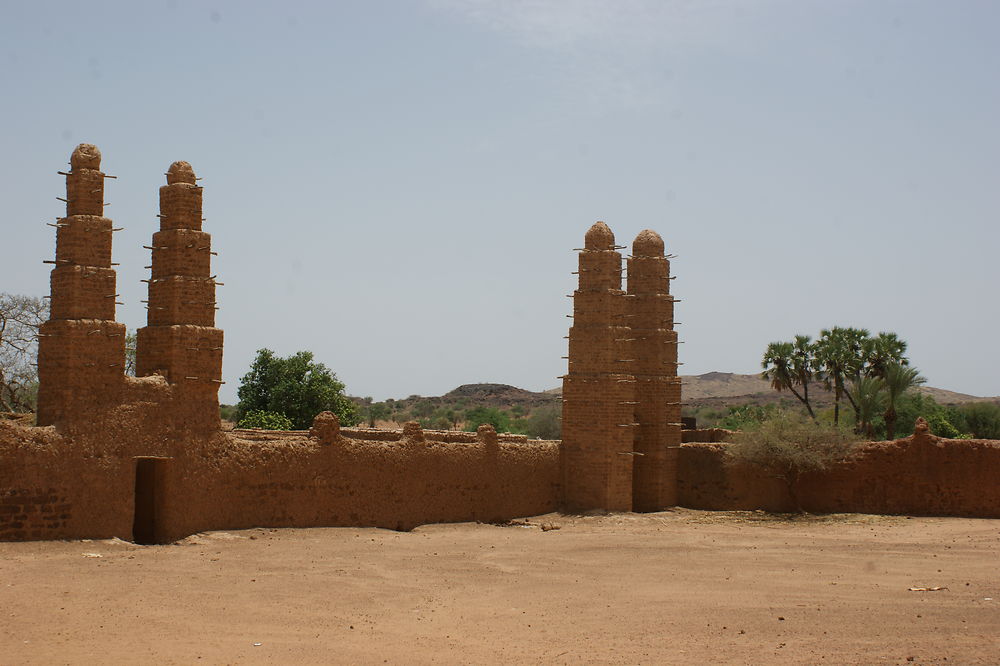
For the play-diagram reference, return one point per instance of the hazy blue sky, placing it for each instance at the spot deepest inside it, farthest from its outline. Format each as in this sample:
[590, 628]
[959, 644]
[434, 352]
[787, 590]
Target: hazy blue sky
[398, 186]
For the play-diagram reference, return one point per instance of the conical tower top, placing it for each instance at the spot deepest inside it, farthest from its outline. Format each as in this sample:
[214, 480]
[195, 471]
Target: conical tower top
[599, 237]
[647, 244]
[86, 156]
[180, 172]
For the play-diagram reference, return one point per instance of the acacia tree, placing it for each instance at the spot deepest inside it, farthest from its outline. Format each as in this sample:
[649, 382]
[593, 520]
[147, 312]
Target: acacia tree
[790, 364]
[786, 446]
[20, 318]
[296, 387]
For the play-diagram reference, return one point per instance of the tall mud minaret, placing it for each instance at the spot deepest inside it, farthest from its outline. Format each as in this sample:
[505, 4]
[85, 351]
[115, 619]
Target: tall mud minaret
[180, 341]
[658, 388]
[598, 391]
[81, 351]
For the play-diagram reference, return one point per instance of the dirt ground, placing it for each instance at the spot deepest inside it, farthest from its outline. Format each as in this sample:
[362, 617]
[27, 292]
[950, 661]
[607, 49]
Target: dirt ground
[680, 587]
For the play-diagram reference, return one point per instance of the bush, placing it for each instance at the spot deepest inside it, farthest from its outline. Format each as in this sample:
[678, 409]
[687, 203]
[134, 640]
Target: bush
[941, 426]
[259, 418]
[788, 445]
[478, 416]
[982, 419]
[746, 416]
[544, 423]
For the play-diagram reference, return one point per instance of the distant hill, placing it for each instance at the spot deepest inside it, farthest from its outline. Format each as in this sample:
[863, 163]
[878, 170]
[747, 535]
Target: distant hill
[728, 388]
[499, 395]
[716, 389]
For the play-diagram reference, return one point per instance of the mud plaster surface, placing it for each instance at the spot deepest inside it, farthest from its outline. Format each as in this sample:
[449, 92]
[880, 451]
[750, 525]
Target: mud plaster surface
[714, 589]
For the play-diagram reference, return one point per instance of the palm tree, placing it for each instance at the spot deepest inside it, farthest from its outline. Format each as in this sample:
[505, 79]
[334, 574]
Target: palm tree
[839, 356]
[882, 350]
[898, 380]
[869, 394]
[790, 364]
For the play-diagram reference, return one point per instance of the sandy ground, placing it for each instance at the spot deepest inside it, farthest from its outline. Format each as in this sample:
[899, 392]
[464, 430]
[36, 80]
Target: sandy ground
[679, 587]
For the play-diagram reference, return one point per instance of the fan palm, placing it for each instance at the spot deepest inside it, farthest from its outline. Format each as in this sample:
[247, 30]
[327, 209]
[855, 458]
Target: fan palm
[898, 380]
[790, 364]
[839, 356]
[869, 395]
[882, 350]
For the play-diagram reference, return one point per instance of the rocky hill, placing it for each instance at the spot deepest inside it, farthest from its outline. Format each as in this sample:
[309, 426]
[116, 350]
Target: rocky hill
[716, 389]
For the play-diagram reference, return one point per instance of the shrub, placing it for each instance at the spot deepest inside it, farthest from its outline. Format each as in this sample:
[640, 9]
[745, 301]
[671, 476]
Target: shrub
[982, 419]
[259, 418]
[788, 445]
[478, 416]
[746, 416]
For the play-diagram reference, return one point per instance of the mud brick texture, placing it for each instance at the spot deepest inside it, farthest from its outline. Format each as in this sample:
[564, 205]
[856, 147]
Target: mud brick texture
[182, 252]
[81, 351]
[598, 392]
[658, 389]
[186, 355]
[32, 513]
[84, 240]
[181, 300]
[621, 396]
[179, 341]
[82, 292]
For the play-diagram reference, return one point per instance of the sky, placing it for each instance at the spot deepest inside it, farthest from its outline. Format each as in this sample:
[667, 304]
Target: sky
[398, 186]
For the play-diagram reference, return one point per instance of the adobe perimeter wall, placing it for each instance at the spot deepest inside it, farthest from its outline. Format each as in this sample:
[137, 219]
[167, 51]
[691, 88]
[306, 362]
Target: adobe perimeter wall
[56, 487]
[919, 475]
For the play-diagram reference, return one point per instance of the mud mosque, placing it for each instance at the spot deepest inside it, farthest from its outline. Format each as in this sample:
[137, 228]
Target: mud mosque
[144, 458]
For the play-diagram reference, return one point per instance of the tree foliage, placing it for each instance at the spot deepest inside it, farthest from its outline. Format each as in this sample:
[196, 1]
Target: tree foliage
[257, 418]
[296, 386]
[790, 366]
[787, 446]
[898, 380]
[20, 318]
[478, 416]
[981, 419]
[839, 359]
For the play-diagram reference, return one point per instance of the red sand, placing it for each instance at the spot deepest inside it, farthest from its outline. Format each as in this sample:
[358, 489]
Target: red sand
[674, 587]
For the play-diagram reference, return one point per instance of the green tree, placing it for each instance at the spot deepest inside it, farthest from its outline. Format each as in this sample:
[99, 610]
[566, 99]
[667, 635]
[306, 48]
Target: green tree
[869, 396]
[982, 419]
[478, 416]
[839, 353]
[545, 423]
[787, 446]
[881, 351]
[898, 379]
[789, 365]
[257, 418]
[378, 411]
[296, 387]
[748, 416]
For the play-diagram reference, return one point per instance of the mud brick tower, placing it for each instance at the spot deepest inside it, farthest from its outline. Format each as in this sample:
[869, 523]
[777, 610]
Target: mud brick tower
[599, 390]
[657, 388]
[180, 341]
[81, 351]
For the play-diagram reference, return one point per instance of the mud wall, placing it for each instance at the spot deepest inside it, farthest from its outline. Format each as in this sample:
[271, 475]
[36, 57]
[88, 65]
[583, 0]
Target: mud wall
[56, 487]
[919, 475]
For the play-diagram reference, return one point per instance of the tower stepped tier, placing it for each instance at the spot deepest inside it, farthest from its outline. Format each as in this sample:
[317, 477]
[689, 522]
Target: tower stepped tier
[81, 351]
[621, 396]
[598, 390]
[658, 388]
[180, 341]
